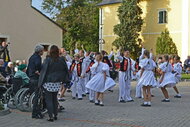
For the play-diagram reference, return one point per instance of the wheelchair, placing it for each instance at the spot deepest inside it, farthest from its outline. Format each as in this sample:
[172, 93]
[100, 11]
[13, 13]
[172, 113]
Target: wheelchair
[26, 98]
[12, 95]
[3, 89]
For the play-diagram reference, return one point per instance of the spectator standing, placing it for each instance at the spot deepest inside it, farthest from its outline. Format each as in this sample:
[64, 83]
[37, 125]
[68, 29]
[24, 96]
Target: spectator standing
[33, 71]
[187, 65]
[4, 53]
[54, 72]
[2, 68]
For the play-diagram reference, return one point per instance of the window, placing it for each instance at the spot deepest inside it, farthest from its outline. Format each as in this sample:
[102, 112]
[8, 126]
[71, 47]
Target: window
[46, 47]
[162, 16]
[3, 39]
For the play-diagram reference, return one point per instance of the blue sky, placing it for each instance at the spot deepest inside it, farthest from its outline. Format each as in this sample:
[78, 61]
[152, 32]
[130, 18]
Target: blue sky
[37, 4]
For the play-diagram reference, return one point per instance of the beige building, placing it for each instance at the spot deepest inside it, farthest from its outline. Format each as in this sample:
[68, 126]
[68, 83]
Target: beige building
[24, 26]
[158, 15]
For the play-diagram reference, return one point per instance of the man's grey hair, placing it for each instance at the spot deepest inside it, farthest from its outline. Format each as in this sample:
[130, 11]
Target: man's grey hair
[39, 48]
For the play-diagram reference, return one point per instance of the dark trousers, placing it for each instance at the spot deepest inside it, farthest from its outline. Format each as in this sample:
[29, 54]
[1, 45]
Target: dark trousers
[36, 106]
[51, 103]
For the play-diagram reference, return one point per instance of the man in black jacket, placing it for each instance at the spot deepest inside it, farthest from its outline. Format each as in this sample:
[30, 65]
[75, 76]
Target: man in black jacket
[33, 71]
[4, 53]
[3, 74]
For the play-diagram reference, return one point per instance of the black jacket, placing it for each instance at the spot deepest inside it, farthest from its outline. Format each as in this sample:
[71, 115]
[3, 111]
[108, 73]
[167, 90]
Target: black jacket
[3, 72]
[4, 52]
[34, 64]
[54, 71]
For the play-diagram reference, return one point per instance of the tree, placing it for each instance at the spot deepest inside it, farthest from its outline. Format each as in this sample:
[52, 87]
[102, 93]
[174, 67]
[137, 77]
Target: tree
[165, 44]
[129, 28]
[81, 20]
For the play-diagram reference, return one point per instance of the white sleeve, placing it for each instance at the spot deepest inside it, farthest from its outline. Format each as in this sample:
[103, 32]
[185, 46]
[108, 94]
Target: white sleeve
[105, 67]
[154, 64]
[119, 57]
[93, 68]
[142, 54]
[84, 67]
[178, 69]
[133, 65]
[76, 51]
[151, 56]
[69, 58]
[110, 55]
[84, 53]
[142, 63]
[163, 67]
[68, 65]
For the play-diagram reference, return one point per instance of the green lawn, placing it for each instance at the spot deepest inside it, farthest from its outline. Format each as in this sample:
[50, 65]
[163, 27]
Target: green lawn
[185, 76]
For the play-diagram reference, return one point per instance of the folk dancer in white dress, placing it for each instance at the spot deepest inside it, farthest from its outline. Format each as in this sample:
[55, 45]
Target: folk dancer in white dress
[139, 87]
[100, 81]
[177, 70]
[77, 71]
[147, 79]
[167, 79]
[125, 77]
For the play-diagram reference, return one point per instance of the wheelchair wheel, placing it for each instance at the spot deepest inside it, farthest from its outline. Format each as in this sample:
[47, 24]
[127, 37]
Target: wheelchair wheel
[2, 92]
[31, 101]
[9, 98]
[17, 98]
[24, 100]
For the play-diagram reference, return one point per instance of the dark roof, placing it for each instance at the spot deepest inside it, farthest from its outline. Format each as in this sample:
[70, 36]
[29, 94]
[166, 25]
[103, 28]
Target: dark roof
[49, 18]
[106, 2]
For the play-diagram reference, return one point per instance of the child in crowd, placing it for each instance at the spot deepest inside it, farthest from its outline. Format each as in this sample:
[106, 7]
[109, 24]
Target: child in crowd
[177, 70]
[147, 79]
[101, 80]
[167, 79]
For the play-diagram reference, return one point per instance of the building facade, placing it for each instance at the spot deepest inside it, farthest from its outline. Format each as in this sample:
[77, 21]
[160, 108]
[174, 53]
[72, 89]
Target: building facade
[158, 15]
[24, 27]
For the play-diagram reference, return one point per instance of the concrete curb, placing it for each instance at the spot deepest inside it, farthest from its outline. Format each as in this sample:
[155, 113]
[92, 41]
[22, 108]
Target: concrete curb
[5, 112]
[185, 80]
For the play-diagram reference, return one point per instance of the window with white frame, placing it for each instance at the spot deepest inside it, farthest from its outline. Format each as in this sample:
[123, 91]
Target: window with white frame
[162, 16]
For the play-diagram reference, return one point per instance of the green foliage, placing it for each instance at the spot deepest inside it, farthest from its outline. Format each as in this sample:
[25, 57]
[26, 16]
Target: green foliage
[81, 20]
[185, 76]
[165, 44]
[129, 29]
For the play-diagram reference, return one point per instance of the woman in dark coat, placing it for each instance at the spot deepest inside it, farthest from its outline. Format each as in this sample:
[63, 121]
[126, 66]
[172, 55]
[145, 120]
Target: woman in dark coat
[54, 72]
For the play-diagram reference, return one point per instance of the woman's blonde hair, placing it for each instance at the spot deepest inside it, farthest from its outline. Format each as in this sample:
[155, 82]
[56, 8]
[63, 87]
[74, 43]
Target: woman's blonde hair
[77, 55]
[99, 57]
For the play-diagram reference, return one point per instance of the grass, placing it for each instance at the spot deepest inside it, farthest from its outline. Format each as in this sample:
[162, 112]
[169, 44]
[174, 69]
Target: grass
[185, 76]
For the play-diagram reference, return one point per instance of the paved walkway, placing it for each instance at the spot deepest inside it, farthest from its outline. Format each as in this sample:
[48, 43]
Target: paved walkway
[114, 114]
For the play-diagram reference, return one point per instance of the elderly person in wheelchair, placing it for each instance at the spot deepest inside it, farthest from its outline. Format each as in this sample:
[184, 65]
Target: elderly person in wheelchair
[21, 73]
[20, 90]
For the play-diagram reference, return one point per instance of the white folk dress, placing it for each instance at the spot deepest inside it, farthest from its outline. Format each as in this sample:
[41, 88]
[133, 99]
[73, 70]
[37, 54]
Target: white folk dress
[97, 83]
[169, 78]
[147, 78]
[177, 71]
